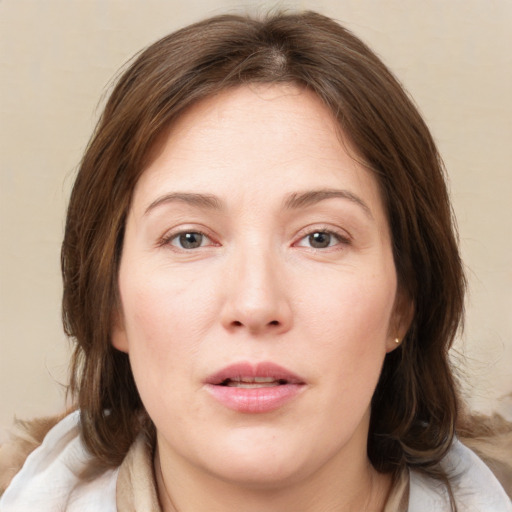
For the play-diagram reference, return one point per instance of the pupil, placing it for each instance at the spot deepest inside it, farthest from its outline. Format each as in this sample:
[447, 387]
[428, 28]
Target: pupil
[191, 240]
[320, 240]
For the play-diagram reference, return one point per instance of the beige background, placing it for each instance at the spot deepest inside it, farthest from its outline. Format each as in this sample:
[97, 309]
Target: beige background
[56, 59]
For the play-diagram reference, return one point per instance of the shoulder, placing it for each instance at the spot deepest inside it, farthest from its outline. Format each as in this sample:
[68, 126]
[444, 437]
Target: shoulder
[473, 482]
[51, 476]
[474, 486]
[26, 437]
[491, 439]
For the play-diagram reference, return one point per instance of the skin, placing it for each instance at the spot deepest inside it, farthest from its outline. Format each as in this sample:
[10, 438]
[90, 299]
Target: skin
[255, 289]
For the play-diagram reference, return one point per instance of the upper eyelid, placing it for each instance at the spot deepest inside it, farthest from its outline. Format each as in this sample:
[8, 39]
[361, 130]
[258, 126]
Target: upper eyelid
[184, 228]
[319, 228]
[173, 233]
[340, 238]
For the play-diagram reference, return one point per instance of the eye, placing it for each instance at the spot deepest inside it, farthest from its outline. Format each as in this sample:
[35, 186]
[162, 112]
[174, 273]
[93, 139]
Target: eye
[189, 240]
[320, 240]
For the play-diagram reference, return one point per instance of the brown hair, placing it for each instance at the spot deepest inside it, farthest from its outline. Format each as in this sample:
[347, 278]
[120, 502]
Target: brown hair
[414, 408]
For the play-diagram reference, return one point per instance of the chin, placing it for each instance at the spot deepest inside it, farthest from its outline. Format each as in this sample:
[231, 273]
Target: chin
[261, 464]
[269, 475]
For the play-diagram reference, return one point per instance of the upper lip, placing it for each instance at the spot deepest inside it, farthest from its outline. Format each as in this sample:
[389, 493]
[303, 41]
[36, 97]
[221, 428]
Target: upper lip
[238, 371]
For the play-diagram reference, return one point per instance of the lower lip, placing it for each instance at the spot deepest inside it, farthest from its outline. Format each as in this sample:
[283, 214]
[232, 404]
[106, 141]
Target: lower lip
[254, 400]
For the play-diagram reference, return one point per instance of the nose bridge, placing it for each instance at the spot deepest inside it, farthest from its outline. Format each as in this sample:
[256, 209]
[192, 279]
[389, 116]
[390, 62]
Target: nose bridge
[256, 296]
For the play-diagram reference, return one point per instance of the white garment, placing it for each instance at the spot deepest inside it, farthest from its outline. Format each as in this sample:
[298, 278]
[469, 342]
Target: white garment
[49, 480]
[474, 486]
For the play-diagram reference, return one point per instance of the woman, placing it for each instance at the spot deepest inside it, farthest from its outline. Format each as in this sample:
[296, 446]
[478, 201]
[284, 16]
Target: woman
[262, 278]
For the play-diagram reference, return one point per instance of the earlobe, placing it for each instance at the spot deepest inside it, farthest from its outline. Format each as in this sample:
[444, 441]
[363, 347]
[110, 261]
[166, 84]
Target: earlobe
[401, 322]
[118, 336]
[392, 344]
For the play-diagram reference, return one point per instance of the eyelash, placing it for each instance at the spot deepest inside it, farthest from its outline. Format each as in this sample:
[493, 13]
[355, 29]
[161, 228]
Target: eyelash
[168, 239]
[340, 239]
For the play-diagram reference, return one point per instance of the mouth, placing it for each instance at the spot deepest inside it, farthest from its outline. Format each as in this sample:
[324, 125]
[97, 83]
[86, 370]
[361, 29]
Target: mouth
[253, 382]
[259, 388]
[264, 374]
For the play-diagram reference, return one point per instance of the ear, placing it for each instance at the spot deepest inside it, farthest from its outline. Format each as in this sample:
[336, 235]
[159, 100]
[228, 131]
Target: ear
[118, 336]
[401, 319]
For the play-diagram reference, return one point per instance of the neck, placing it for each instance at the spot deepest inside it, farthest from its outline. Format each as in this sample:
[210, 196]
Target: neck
[352, 489]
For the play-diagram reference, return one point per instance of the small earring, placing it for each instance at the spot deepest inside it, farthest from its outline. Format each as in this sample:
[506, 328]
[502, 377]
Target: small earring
[397, 341]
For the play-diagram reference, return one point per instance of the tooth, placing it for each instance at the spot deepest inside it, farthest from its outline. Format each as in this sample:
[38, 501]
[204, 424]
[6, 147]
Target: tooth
[250, 380]
[262, 379]
[252, 385]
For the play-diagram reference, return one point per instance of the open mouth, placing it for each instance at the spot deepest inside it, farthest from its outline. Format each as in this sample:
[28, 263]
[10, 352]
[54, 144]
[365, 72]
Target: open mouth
[254, 388]
[259, 375]
[253, 382]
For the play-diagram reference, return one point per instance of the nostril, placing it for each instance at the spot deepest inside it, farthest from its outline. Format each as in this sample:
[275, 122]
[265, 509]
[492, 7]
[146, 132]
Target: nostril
[255, 325]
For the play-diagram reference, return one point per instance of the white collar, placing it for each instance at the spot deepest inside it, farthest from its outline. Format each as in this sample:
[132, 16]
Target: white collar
[50, 480]
[474, 486]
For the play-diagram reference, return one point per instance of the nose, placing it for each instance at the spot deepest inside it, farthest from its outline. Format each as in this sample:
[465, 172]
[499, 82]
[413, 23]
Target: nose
[257, 299]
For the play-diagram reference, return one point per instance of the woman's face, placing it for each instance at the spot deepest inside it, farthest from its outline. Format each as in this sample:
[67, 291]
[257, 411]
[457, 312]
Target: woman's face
[257, 286]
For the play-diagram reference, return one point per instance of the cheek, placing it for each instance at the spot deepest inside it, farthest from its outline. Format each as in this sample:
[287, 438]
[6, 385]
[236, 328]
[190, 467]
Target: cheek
[350, 321]
[162, 307]
[165, 322]
[351, 310]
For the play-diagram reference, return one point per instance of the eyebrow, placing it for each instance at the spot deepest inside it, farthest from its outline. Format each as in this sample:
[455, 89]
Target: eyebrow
[206, 201]
[292, 202]
[311, 197]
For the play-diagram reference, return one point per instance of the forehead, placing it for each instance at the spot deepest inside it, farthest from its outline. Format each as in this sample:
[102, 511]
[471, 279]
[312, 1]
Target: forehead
[256, 140]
